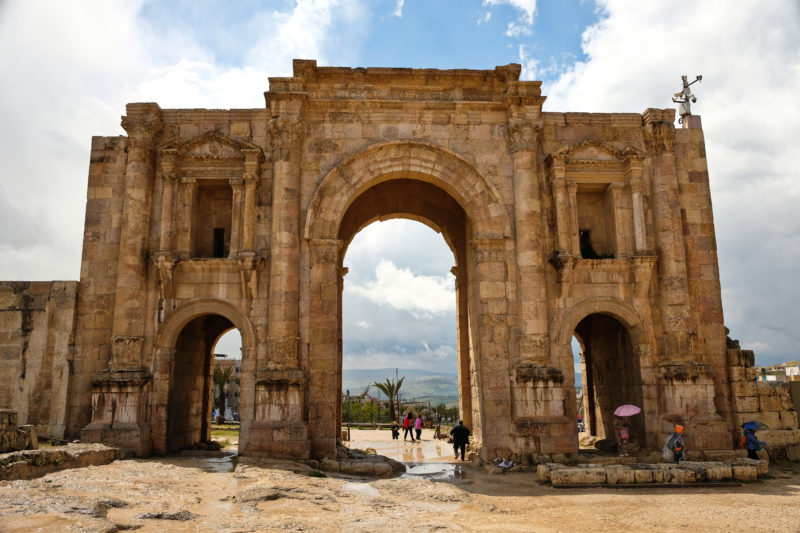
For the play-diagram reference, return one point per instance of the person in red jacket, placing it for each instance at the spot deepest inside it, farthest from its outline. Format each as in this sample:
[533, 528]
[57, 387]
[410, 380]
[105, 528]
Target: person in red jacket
[408, 426]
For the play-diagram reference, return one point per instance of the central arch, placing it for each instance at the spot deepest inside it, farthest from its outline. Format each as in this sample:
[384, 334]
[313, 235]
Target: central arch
[434, 186]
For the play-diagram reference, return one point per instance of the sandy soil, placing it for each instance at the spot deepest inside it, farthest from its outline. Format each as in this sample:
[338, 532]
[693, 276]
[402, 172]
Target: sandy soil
[202, 492]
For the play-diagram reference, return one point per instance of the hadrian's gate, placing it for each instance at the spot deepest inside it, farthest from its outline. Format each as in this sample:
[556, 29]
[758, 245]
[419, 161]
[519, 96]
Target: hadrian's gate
[592, 226]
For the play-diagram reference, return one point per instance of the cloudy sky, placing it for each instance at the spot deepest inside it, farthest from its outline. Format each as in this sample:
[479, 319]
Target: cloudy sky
[68, 68]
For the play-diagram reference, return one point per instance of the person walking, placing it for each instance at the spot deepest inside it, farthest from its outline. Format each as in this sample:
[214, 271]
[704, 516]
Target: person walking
[460, 434]
[752, 443]
[674, 448]
[408, 426]
[395, 430]
[418, 426]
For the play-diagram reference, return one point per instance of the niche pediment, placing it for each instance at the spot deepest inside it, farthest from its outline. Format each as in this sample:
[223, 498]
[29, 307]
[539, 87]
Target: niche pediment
[591, 151]
[212, 145]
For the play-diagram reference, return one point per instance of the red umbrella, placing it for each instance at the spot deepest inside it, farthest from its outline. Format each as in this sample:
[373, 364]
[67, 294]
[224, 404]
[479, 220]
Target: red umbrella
[627, 410]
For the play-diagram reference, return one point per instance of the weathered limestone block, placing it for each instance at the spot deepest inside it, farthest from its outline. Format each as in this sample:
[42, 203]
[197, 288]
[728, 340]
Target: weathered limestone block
[761, 466]
[779, 437]
[643, 475]
[620, 475]
[589, 475]
[718, 471]
[745, 472]
[793, 451]
[544, 470]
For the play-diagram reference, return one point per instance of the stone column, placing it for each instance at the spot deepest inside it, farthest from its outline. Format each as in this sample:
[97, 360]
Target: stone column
[489, 291]
[324, 345]
[673, 282]
[251, 169]
[574, 229]
[465, 368]
[634, 176]
[615, 189]
[237, 184]
[533, 343]
[562, 207]
[286, 133]
[169, 178]
[188, 189]
[143, 123]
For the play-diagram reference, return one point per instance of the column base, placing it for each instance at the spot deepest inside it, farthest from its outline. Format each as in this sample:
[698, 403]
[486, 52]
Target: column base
[278, 440]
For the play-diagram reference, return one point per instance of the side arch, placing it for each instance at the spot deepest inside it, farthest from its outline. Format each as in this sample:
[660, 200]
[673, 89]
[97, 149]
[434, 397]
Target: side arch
[171, 327]
[406, 159]
[619, 309]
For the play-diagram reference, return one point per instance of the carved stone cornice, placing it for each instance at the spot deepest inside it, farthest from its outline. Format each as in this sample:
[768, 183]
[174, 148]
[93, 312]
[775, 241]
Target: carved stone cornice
[523, 136]
[488, 250]
[252, 161]
[534, 347]
[287, 134]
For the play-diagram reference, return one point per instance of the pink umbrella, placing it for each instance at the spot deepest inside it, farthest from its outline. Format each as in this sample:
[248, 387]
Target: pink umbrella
[627, 410]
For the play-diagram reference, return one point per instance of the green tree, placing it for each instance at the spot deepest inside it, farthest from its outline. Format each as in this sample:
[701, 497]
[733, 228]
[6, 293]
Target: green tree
[391, 388]
[221, 378]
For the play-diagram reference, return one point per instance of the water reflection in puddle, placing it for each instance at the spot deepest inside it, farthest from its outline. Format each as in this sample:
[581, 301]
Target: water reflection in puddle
[207, 461]
[436, 471]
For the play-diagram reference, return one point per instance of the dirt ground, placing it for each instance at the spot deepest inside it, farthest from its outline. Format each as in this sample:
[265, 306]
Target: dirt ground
[203, 492]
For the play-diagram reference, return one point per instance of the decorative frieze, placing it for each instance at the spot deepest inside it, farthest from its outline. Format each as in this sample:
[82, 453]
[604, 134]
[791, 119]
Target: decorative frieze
[523, 136]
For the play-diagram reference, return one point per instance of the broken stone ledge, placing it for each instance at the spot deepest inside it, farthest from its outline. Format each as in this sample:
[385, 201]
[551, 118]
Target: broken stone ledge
[641, 473]
[30, 464]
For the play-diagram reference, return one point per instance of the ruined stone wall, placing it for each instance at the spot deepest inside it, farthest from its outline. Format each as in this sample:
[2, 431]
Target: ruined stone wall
[37, 321]
[95, 304]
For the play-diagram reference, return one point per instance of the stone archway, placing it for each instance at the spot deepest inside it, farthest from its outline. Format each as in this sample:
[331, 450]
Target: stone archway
[617, 368]
[474, 221]
[180, 333]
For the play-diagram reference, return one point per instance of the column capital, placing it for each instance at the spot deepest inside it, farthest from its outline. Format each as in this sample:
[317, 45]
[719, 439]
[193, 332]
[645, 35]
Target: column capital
[235, 180]
[142, 127]
[186, 180]
[523, 136]
[489, 249]
[286, 134]
[252, 161]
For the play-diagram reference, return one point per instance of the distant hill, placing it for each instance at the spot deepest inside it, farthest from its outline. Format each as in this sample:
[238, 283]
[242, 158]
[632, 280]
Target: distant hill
[422, 385]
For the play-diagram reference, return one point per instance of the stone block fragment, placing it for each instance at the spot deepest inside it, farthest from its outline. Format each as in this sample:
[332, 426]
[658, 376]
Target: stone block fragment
[543, 471]
[745, 472]
[578, 476]
[718, 471]
[620, 475]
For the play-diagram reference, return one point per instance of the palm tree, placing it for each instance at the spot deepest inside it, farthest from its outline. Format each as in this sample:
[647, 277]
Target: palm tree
[221, 378]
[391, 389]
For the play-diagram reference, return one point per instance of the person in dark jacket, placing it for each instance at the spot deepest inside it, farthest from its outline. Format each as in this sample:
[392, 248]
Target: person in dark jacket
[674, 448]
[752, 443]
[460, 434]
[408, 426]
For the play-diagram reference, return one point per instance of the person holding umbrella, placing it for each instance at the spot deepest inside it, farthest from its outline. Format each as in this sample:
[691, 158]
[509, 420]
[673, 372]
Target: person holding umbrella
[751, 442]
[623, 426]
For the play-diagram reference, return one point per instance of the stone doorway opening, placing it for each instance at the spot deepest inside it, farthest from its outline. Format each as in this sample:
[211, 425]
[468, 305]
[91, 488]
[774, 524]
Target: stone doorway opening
[610, 375]
[399, 321]
[420, 201]
[191, 383]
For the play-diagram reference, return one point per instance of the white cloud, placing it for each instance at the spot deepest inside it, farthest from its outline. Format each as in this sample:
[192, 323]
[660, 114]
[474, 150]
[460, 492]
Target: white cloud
[529, 64]
[750, 61]
[517, 30]
[398, 10]
[403, 289]
[364, 324]
[485, 18]
[67, 71]
[528, 7]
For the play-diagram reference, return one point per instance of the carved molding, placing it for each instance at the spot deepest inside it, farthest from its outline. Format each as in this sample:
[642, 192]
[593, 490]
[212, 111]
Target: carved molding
[325, 251]
[282, 352]
[142, 130]
[523, 136]
[527, 372]
[488, 250]
[287, 134]
[249, 265]
[126, 350]
[659, 137]
[643, 268]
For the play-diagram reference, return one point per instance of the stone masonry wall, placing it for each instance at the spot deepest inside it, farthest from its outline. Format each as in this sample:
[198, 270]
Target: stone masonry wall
[98, 274]
[37, 321]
